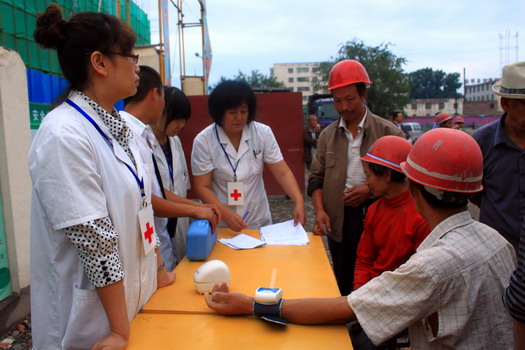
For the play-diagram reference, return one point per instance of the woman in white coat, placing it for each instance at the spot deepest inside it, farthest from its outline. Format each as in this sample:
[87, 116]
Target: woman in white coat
[228, 159]
[170, 158]
[94, 263]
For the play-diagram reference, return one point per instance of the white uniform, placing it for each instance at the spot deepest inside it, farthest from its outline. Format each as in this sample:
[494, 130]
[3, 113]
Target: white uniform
[180, 184]
[78, 177]
[146, 143]
[257, 146]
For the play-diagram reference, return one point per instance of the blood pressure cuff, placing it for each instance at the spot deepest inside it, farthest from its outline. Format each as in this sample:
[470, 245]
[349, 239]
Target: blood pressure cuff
[270, 313]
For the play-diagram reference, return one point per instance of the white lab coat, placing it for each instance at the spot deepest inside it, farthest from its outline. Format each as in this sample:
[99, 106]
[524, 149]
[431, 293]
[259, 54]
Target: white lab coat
[146, 143]
[257, 146]
[78, 177]
[179, 186]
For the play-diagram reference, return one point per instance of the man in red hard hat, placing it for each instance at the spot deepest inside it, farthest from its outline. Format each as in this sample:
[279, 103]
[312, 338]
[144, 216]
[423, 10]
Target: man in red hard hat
[458, 123]
[449, 292]
[443, 120]
[337, 180]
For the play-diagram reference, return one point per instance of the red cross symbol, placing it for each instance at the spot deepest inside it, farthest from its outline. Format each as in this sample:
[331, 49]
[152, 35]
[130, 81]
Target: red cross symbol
[149, 232]
[235, 195]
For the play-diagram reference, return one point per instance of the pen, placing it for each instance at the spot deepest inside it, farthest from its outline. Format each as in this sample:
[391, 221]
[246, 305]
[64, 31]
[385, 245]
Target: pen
[245, 215]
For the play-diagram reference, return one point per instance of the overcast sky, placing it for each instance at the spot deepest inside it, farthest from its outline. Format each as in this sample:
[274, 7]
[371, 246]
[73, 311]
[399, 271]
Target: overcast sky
[447, 34]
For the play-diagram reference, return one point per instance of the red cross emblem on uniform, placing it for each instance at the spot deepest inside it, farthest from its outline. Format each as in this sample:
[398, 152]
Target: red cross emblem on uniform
[235, 195]
[149, 232]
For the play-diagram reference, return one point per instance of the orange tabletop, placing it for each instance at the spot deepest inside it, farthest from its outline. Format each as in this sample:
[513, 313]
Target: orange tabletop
[177, 331]
[301, 272]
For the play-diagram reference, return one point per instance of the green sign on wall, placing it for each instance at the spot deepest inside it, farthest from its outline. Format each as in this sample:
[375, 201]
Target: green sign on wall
[37, 112]
[5, 279]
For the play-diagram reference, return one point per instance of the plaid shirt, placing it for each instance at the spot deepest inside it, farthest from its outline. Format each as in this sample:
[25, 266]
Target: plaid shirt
[459, 273]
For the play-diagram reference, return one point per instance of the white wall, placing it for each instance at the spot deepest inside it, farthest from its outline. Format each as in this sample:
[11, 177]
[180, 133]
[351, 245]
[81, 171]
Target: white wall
[15, 183]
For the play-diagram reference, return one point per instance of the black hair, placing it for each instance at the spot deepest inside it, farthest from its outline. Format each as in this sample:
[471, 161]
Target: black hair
[149, 80]
[394, 114]
[450, 200]
[361, 88]
[177, 106]
[381, 170]
[228, 95]
[76, 39]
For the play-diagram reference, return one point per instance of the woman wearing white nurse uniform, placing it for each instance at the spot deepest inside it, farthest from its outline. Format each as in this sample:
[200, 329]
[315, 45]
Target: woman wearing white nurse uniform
[228, 159]
[94, 261]
[170, 158]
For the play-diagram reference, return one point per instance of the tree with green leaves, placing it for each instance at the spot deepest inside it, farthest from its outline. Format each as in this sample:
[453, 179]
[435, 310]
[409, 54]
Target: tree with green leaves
[390, 87]
[256, 80]
[428, 83]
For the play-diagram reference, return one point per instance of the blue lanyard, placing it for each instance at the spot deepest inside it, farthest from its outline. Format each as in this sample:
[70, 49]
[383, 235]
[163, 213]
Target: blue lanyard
[227, 157]
[110, 144]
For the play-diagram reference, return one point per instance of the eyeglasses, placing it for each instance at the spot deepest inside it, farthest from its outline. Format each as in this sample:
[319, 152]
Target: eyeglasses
[133, 58]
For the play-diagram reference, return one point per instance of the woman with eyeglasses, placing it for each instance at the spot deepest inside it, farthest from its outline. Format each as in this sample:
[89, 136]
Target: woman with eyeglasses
[94, 256]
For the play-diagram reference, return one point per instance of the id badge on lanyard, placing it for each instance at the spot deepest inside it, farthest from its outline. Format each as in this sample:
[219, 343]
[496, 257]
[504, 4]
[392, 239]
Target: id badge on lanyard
[145, 214]
[147, 229]
[235, 193]
[235, 188]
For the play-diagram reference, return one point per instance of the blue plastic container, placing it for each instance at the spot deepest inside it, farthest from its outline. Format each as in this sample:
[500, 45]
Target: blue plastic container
[200, 240]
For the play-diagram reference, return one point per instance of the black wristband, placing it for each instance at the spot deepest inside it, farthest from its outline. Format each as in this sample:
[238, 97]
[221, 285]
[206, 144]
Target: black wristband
[270, 313]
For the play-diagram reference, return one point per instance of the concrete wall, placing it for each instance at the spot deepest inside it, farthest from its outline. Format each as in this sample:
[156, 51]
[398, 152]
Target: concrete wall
[15, 183]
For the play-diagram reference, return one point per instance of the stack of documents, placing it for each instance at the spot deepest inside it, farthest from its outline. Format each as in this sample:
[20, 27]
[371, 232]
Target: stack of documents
[284, 233]
[242, 241]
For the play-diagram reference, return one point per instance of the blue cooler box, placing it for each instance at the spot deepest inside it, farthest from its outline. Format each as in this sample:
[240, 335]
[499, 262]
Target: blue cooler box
[200, 240]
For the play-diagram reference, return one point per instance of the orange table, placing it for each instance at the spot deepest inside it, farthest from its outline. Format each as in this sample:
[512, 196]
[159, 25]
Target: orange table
[177, 317]
[215, 332]
[301, 272]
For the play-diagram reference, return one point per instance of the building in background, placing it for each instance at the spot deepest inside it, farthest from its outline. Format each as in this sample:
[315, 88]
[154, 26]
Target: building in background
[297, 77]
[429, 107]
[480, 100]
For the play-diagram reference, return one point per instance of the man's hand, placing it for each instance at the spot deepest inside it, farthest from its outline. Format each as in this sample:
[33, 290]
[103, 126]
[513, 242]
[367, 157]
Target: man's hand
[227, 303]
[112, 341]
[322, 224]
[355, 196]
[234, 221]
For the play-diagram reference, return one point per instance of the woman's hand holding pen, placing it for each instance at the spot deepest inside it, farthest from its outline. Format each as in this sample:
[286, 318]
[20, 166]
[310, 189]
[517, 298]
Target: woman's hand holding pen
[234, 221]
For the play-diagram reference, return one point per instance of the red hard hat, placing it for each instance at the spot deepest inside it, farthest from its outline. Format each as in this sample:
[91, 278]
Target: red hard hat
[347, 72]
[446, 159]
[389, 151]
[442, 117]
[459, 120]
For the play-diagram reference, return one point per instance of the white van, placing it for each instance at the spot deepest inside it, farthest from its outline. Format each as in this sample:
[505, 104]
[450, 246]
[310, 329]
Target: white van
[414, 130]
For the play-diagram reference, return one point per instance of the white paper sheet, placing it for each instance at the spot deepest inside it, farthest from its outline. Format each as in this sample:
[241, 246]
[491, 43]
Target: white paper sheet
[242, 241]
[284, 233]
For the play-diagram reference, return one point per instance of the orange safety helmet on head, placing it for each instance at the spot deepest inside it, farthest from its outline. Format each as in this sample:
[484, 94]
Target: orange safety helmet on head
[446, 159]
[442, 117]
[459, 120]
[389, 151]
[347, 72]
